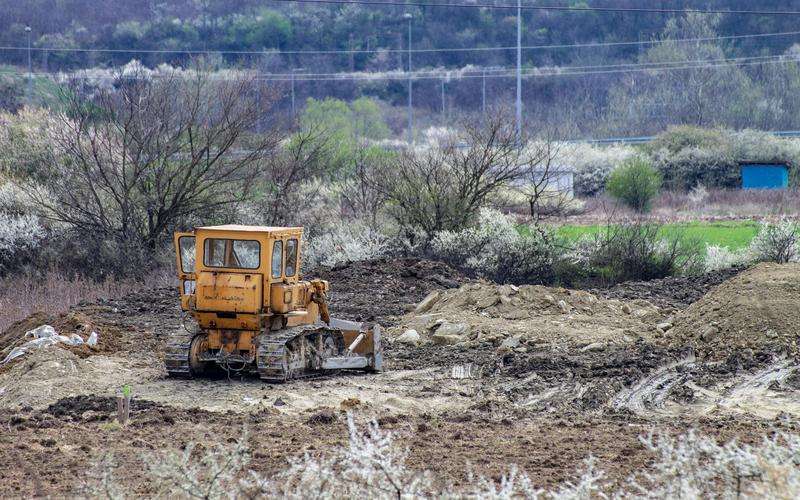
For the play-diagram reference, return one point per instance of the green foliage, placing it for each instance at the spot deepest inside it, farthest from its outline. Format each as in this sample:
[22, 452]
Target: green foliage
[344, 128]
[635, 183]
[735, 235]
[638, 251]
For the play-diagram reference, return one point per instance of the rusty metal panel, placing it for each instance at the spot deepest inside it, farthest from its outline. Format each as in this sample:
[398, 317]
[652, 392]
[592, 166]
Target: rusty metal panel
[229, 292]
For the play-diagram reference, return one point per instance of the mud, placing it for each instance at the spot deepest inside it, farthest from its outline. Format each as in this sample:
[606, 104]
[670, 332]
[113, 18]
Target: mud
[381, 290]
[573, 374]
[677, 292]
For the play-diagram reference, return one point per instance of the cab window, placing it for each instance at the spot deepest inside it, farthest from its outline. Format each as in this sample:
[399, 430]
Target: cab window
[236, 254]
[187, 253]
[277, 259]
[291, 257]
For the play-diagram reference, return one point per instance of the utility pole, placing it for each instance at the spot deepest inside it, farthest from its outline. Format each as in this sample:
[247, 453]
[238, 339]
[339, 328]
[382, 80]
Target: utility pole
[483, 92]
[408, 17]
[29, 97]
[443, 106]
[293, 73]
[519, 70]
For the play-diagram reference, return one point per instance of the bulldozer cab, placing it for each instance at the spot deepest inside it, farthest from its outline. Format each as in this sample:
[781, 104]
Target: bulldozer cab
[232, 265]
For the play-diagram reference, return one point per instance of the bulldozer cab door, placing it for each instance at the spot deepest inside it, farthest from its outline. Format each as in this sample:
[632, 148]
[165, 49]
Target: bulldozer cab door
[186, 257]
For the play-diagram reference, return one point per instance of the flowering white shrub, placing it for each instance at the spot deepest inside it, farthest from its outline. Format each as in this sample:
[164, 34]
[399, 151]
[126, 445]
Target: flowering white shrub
[344, 242]
[719, 257]
[775, 242]
[19, 235]
[494, 249]
[373, 466]
[693, 466]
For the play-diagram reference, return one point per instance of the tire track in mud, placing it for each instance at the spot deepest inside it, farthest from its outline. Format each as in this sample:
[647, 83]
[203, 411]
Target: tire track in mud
[651, 392]
[753, 393]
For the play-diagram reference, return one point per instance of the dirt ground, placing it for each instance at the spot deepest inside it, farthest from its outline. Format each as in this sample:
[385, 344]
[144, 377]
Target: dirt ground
[540, 377]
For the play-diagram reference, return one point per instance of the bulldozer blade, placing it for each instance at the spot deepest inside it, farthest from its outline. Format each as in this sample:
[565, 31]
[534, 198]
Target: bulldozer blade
[345, 363]
[368, 348]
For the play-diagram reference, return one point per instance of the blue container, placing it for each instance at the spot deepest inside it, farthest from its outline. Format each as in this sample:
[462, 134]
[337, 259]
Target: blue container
[765, 176]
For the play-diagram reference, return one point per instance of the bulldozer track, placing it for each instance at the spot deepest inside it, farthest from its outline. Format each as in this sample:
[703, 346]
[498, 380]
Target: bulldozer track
[273, 361]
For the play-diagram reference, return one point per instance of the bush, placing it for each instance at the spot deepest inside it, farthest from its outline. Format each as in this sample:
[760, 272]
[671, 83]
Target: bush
[372, 465]
[345, 242]
[687, 156]
[20, 237]
[634, 183]
[718, 258]
[592, 164]
[494, 249]
[637, 251]
[775, 242]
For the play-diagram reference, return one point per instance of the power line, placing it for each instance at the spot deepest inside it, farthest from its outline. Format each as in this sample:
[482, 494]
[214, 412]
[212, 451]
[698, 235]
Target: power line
[431, 75]
[422, 50]
[635, 10]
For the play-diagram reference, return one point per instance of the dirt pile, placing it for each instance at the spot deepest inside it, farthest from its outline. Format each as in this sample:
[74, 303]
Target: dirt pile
[50, 373]
[517, 318]
[676, 292]
[380, 290]
[757, 310]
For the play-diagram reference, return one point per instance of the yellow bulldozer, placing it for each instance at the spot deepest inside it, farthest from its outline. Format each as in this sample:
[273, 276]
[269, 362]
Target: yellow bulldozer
[253, 313]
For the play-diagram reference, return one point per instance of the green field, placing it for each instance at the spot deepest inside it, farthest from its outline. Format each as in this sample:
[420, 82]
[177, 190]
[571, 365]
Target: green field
[733, 234]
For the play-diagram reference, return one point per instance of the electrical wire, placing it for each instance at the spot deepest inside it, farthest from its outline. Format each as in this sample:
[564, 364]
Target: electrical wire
[433, 75]
[635, 10]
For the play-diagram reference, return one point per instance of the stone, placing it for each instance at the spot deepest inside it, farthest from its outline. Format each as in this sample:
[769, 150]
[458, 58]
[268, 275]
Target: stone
[428, 302]
[594, 346]
[563, 306]
[666, 325]
[458, 329]
[516, 314]
[409, 336]
[550, 299]
[710, 333]
[626, 308]
[450, 333]
[511, 342]
[440, 339]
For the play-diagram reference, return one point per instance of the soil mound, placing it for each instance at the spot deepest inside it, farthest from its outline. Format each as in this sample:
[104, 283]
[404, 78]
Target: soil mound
[676, 292]
[379, 290]
[51, 373]
[516, 318]
[758, 310]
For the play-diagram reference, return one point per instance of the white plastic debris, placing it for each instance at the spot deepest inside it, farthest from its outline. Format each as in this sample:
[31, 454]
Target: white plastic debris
[73, 340]
[92, 340]
[41, 332]
[42, 336]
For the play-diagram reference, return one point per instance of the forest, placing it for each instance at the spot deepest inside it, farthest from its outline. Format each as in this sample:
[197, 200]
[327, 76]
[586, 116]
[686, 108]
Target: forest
[615, 82]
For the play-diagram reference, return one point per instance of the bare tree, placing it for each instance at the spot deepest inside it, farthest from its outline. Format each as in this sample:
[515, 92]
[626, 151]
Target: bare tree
[441, 187]
[358, 190]
[284, 177]
[138, 158]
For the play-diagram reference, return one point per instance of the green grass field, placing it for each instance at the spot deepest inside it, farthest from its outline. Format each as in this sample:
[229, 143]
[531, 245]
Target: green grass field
[734, 234]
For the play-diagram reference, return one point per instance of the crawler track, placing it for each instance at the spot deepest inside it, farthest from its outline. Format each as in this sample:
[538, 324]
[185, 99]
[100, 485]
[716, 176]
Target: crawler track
[296, 353]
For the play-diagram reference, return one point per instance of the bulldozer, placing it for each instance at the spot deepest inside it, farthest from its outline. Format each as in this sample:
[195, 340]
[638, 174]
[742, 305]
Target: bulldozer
[250, 311]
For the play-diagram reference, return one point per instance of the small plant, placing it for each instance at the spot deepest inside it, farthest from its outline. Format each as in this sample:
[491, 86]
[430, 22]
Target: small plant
[638, 251]
[718, 258]
[776, 242]
[635, 183]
